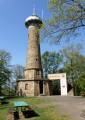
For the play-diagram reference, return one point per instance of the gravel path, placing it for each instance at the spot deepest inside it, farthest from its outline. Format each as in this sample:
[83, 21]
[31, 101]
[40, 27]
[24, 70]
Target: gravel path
[73, 107]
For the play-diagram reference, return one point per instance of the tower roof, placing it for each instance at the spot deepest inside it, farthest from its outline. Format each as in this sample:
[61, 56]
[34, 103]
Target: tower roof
[33, 19]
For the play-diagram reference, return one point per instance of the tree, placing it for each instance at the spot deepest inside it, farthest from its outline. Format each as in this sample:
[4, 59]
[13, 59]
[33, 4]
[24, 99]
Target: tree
[51, 62]
[73, 66]
[18, 72]
[68, 16]
[80, 84]
[5, 72]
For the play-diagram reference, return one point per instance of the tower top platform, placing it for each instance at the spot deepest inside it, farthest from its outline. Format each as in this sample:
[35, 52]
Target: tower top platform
[33, 19]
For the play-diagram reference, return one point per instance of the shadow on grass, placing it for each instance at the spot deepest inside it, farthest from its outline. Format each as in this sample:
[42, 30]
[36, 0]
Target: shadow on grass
[16, 115]
[26, 114]
[30, 113]
[5, 103]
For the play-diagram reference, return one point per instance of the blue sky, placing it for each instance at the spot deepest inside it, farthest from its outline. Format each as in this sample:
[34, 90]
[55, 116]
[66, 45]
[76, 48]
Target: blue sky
[13, 34]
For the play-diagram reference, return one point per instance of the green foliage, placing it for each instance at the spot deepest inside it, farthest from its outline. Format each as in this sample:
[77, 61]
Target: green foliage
[51, 62]
[73, 66]
[80, 83]
[5, 72]
[56, 87]
[67, 17]
[9, 74]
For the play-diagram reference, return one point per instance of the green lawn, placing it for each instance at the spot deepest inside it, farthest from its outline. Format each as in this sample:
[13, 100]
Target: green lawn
[45, 110]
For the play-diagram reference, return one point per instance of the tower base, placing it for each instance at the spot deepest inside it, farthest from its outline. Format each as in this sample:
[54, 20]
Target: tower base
[33, 87]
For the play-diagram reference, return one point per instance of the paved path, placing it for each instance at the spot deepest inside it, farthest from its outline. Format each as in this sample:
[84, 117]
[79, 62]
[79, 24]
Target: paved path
[74, 107]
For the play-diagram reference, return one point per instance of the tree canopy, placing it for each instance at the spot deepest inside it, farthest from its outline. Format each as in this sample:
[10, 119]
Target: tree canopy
[68, 16]
[74, 65]
[51, 62]
[5, 72]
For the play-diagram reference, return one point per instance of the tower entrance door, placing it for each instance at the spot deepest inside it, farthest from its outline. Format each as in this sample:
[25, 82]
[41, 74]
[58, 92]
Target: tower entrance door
[41, 87]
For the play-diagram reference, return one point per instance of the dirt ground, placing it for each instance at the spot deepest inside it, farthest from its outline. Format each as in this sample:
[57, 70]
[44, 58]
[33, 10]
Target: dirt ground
[73, 107]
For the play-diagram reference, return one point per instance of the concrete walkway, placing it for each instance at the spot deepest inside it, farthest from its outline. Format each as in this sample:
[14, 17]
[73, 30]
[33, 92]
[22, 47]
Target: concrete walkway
[73, 107]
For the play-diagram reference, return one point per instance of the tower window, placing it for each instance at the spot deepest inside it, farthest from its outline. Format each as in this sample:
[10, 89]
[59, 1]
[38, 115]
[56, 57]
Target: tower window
[36, 59]
[26, 86]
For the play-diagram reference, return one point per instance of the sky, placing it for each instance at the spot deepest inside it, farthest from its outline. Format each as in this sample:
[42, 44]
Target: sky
[13, 34]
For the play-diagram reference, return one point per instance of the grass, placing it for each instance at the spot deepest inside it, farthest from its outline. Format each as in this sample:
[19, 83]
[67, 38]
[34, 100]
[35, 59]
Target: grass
[45, 110]
[3, 113]
[49, 113]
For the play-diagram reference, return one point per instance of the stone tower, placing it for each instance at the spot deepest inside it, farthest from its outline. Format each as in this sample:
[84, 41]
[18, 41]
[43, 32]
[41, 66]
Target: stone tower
[33, 70]
[33, 84]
